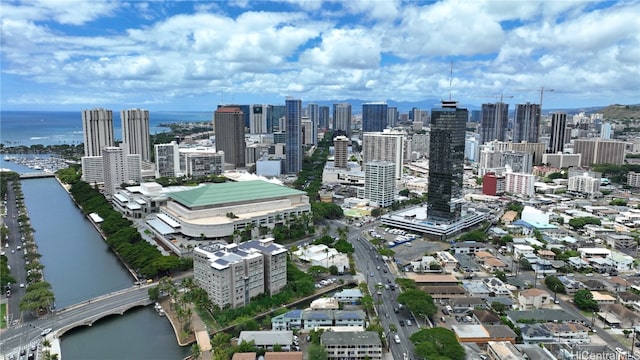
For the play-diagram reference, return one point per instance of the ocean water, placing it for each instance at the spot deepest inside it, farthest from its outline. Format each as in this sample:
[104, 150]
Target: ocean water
[28, 128]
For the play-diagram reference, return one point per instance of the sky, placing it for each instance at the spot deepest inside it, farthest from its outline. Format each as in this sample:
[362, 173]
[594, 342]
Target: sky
[194, 55]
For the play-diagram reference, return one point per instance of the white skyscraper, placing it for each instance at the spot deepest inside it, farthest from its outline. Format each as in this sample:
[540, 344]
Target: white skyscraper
[167, 160]
[97, 128]
[379, 183]
[258, 115]
[384, 146]
[135, 132]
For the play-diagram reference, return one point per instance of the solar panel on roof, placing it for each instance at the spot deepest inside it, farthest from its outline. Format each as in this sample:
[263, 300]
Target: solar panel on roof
[222, 262]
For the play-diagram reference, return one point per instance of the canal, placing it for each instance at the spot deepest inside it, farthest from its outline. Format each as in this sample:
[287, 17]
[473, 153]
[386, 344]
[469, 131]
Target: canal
[79, 266]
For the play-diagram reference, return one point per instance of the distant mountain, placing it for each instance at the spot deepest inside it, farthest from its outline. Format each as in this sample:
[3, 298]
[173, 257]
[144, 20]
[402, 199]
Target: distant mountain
[620, 112]
[403, 106]
[615, 111]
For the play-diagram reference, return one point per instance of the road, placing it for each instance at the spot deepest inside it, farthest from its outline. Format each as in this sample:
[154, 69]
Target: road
[15, 259]
[367, 261]
[18, 337]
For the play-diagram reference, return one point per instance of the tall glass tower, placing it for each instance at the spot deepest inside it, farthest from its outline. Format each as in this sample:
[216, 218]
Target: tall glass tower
[374, 117]
[446, 161]
[293, 135]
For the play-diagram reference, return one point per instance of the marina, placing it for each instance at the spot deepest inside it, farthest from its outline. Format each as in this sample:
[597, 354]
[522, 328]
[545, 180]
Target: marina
[49, 164]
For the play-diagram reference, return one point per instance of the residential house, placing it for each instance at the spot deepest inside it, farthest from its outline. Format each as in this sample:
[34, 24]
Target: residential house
[468, 247]
[481, 334]
[503, 350]
[564, 333]
[534, 299]
[268, 339]
[348, 296]
[602, 298]
[467, 304]
[535, 334]
[628, 299]
[448, 262]
[486, 317]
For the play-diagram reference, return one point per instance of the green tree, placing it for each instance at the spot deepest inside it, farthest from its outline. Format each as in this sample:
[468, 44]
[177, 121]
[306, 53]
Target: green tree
[317, 352]
[500, 275]
[418, 302]
[437, 343]
[154, 293]
[195, 351]
[554, 284]
[580, 222]
[499, 307]
[584, 300]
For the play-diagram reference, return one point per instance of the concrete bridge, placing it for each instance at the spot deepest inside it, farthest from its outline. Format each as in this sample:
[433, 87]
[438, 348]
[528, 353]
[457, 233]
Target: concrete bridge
[88, 321]
[37, 175]
[85, 313]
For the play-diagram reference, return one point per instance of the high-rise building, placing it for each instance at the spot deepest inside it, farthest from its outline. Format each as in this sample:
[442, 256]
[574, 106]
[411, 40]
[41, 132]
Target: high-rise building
[277, 113]
[314, 117]
[167, 158]
[526, 123]
[379, 183]
[519, 183]
[114, 163]
[340, 151]
[342, 118]
[374, 116]
[384, 146]
[558, 130]
[307, 131]
[293, 145]
[392, 116]
[420, 144]
[633, 179]
[598, 151]
[229, 129]
[196, 162]
[135, 132]
[606, 132]
[492, 184]
[561, 160]
[584, 183]
[323, 118]
[446, 161]
[472, 147]
[517, 161]
[495, 118]
[97, 128]
[258, 118]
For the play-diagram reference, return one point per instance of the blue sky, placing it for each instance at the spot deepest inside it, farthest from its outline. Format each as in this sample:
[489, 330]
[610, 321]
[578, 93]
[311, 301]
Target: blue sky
[193, 55]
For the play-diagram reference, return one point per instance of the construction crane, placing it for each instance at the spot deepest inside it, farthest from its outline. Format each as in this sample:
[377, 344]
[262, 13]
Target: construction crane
[501, 96]
[542, 91]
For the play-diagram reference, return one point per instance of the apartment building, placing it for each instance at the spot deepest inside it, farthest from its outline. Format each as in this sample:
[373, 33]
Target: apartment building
[352, 345]
[232, 274]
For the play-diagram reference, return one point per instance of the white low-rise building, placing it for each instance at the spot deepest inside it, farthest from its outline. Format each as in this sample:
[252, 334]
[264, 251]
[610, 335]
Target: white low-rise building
[322, 255]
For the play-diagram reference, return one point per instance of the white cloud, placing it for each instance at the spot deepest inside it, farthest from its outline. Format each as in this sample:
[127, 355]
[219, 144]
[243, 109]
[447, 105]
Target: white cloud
[345, 48]
[71, 12]
[373, 50]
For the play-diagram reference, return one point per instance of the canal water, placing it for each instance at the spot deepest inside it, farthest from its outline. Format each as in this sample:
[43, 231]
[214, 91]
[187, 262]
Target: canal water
[80, 266]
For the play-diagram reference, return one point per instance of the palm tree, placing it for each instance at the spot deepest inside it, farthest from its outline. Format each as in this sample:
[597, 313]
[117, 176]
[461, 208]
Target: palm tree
[195, 351]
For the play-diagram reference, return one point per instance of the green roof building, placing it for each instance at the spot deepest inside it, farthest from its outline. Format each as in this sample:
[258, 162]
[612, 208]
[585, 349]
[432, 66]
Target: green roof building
[216, 211]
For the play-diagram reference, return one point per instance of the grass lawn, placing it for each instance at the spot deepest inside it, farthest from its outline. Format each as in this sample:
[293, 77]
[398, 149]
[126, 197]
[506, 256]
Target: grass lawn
[3, 316]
